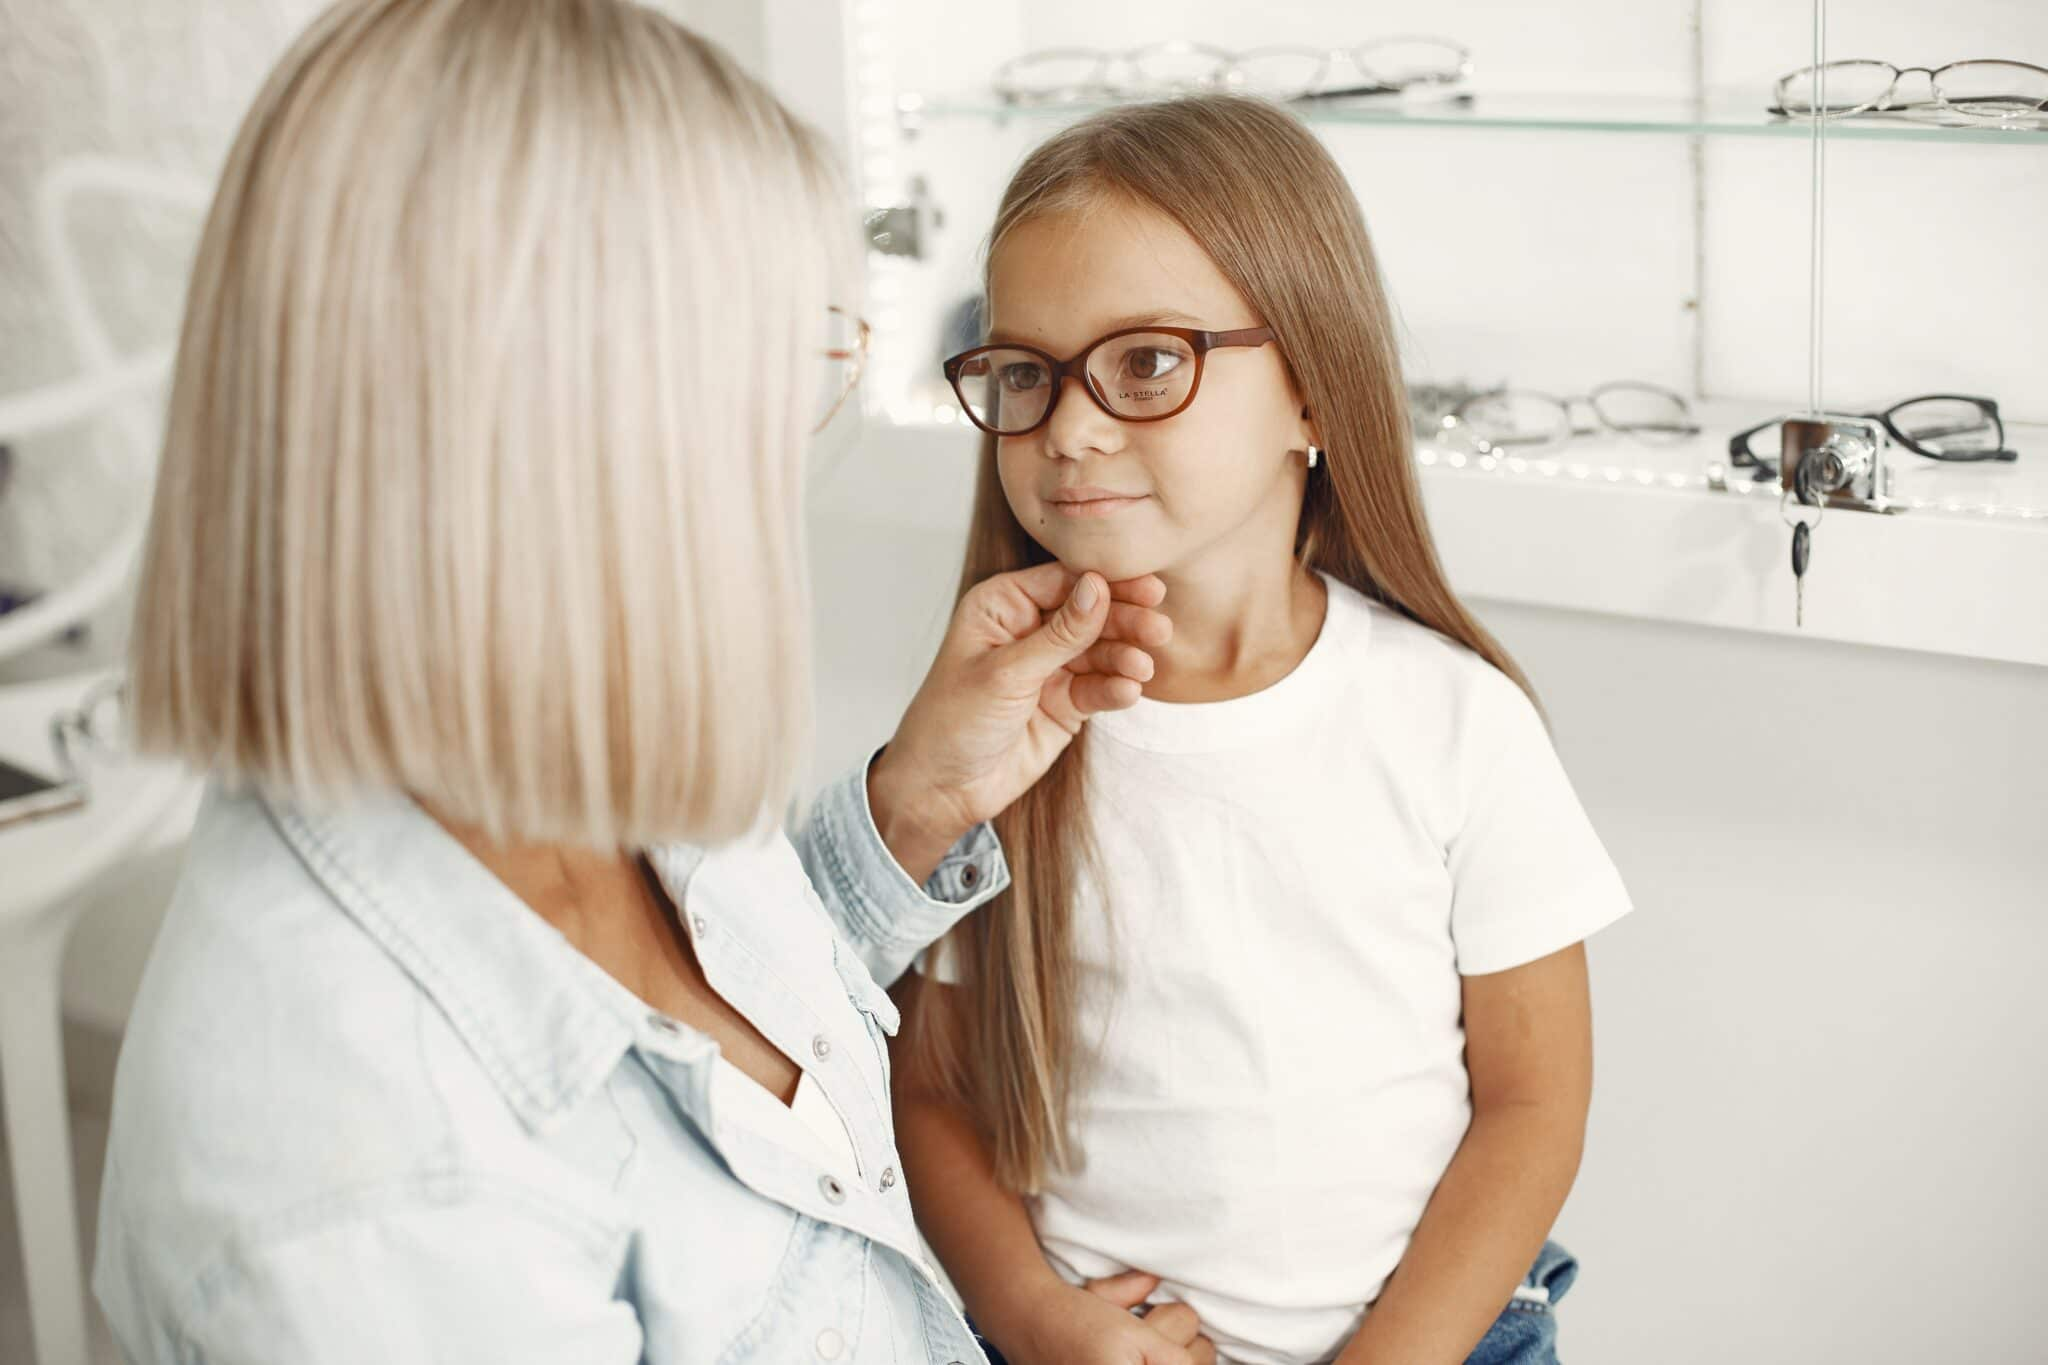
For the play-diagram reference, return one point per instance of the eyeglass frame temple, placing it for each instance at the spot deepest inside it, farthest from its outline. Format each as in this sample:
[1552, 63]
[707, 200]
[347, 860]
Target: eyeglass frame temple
[1076, 366]
[858, 355]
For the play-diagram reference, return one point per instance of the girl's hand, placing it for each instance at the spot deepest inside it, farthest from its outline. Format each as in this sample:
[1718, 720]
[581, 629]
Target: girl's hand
[1023, 665]
[1094, 1326]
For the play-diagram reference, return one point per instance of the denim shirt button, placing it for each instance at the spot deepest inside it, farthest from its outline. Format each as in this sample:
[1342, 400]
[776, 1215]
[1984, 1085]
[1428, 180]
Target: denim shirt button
[700, 924]
[969, 875]
[821, 1047]
[830, 1344]
[834, 1192]
[888, 1178]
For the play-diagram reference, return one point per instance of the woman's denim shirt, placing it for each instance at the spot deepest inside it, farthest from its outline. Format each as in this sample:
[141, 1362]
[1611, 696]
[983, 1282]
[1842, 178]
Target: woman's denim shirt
[372, 1109]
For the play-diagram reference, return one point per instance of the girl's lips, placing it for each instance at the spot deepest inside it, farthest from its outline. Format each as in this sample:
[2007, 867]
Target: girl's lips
[1092, 504]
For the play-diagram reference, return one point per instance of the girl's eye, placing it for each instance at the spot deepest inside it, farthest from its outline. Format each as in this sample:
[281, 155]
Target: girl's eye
[1152, 362]
[1020, 378]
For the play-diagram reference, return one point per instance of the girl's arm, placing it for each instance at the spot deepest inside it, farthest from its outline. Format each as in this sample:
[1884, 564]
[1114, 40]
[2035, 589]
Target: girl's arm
[1529, 1051]
[984, 1238]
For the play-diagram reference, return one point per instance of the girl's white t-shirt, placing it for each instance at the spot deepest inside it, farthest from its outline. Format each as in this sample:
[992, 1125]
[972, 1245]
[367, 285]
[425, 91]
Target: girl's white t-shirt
[1289, 886]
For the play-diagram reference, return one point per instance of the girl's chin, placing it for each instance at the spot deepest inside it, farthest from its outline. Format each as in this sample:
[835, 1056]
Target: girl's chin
[1114, 557]
[1110, 564]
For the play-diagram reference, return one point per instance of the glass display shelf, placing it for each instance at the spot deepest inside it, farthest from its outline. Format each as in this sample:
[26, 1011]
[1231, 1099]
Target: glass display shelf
[2015, 492]
[1730, 114]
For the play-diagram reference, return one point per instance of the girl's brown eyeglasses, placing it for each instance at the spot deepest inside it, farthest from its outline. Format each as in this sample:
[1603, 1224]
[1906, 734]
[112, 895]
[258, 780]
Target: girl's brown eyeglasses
[1138, 374]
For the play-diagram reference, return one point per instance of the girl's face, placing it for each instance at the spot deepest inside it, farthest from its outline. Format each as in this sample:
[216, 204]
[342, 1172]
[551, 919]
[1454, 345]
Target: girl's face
[1220, 482]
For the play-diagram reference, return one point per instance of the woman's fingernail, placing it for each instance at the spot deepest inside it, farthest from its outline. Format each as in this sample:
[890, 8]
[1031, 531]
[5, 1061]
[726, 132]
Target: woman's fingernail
[1084, 595]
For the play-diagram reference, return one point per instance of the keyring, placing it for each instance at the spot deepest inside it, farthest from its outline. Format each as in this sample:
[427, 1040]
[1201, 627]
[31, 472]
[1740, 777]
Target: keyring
[1819, 504]
[1818, 508]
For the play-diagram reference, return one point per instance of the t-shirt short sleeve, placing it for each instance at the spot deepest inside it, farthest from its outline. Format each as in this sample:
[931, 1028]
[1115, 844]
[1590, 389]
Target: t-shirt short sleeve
[1529, 875]
[939, 962]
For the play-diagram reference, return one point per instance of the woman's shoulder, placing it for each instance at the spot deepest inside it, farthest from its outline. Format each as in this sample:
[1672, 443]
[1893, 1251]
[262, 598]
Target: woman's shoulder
[258, 985]
[279, 1066]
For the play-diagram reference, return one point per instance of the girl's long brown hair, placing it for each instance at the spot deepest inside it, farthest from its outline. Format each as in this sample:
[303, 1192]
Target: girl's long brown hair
[1256, 189]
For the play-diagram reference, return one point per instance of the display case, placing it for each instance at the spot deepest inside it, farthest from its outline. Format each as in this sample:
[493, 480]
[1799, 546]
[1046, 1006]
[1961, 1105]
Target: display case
[1605, 195]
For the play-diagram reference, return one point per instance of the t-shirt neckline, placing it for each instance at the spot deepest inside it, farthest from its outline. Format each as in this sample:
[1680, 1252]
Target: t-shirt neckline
[1236, 722]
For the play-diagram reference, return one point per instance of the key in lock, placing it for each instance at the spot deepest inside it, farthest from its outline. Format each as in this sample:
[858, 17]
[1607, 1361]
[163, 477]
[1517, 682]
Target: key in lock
[1833, 458]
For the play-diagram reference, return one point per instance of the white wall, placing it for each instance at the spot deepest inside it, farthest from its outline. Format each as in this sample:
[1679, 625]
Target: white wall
[1815, 1133]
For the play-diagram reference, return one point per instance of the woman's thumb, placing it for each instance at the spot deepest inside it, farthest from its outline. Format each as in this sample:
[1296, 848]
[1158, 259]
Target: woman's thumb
[1063, 637]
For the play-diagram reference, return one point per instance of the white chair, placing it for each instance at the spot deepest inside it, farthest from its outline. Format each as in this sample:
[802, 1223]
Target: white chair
[45, 864]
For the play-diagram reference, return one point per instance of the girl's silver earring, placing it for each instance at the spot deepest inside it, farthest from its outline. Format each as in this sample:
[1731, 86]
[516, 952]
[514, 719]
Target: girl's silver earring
[1313, 456]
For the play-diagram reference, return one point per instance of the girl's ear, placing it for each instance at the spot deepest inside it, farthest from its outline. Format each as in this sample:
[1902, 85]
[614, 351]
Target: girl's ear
[1310, 434]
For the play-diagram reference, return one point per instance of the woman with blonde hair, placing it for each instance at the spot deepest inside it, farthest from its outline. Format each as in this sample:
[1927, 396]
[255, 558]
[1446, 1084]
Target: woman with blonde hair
[493, 1019]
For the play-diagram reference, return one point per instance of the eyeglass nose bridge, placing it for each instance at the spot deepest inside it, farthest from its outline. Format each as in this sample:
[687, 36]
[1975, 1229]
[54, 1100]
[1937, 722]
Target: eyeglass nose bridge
[1076, 369]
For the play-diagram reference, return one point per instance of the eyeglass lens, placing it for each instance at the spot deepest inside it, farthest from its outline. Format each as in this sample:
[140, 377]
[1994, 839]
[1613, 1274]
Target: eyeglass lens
[1644, 410]
[1411, 61]
[1947, 426]
[1993, 90]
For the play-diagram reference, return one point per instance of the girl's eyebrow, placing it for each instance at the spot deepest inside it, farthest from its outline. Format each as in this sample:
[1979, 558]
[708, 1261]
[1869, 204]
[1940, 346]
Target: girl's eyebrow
[1166, 318]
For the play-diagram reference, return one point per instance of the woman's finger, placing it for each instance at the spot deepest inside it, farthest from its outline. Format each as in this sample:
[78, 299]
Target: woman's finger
[1138, 625]
[1113, 657]
[1146, 590]
[1087, 693]
[1047, 585]
[1203, 1350]
[1177, 1322]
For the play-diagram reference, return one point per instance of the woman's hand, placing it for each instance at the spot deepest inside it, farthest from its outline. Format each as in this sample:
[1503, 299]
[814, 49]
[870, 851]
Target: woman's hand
[1094, 1326]
[1029, 656]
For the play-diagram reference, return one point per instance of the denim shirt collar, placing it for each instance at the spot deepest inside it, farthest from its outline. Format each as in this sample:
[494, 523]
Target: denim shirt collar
[531, 1007]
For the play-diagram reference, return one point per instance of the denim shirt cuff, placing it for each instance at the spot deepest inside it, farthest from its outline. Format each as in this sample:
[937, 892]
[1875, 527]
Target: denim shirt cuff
[880, 902]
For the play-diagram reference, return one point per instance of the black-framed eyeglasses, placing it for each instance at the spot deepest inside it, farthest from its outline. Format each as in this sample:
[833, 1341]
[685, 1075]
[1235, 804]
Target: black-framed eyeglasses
[1138, 374]
[1955, 427]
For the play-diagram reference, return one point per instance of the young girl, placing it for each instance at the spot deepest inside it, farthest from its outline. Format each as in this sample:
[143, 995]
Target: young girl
[1283, 1022]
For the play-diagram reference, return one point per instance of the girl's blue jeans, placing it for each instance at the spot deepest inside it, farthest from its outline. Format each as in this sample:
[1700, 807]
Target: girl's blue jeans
[1525, 1333]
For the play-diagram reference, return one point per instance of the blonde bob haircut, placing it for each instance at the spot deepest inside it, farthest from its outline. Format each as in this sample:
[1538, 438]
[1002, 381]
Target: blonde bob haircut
[483, 464]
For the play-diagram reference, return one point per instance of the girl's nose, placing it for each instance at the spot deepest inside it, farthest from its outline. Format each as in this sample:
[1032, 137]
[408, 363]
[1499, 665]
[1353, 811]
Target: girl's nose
[1078, 424]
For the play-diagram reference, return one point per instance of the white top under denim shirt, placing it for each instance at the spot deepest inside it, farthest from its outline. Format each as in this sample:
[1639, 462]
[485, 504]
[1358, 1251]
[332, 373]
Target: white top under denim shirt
[372, 1108]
